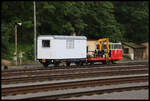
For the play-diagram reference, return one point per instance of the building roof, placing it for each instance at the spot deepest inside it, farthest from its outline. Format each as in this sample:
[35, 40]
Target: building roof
[143, 41]
[133, 45]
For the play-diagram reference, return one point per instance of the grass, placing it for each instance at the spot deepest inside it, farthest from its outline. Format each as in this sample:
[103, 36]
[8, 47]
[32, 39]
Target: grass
[28, 56]
[125, 58]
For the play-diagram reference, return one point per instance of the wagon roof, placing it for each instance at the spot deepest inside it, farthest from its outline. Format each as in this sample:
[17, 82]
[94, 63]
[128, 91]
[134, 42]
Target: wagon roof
[64, 37]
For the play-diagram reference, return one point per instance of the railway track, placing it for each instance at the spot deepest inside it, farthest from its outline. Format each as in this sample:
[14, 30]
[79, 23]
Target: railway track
[73, 75]
[63, 71]
[87, 93]
[71, 85]
[67, 78]
[65, 67]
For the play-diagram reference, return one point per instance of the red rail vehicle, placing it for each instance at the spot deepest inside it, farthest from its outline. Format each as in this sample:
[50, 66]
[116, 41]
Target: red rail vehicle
[106, 52]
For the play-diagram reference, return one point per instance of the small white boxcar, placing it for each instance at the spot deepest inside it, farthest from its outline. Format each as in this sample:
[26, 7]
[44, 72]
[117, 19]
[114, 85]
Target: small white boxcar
[53, 49]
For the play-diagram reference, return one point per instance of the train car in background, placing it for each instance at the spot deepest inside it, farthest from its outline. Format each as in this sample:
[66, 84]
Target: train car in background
[54, 49]
[116, 51]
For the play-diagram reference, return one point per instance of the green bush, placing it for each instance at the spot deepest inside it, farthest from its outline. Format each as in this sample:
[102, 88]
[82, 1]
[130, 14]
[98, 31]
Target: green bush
[28, 52]
[125, 57]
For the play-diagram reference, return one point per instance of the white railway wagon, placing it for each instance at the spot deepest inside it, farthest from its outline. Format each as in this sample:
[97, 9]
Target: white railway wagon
[53, 49]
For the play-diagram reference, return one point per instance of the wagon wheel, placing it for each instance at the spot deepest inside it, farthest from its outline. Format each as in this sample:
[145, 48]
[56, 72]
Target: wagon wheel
[68, 63]
[79, 63]
[45, 65]
[56, 64]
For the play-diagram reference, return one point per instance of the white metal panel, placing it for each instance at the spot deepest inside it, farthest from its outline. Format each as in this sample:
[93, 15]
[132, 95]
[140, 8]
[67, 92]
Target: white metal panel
[61, 52]
[44, 52]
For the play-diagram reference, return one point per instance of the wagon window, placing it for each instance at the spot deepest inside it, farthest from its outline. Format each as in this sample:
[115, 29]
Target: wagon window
[69, 44]
[112, 46]
[115, 46]
[120, 47]
[45, 43]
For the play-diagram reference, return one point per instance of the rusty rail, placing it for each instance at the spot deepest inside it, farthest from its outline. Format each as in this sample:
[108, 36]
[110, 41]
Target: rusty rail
[87, 93]
[71, 76]
[63, 71]
[65, 67]
[71, 85]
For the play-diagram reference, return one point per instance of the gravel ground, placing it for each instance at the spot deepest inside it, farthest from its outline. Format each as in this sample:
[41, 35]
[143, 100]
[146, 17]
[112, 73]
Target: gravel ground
[133, 61]
[126, 95]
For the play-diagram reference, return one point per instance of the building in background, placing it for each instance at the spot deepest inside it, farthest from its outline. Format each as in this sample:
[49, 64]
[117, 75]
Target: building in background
[91, 46]
[134, 51]
[146, 52]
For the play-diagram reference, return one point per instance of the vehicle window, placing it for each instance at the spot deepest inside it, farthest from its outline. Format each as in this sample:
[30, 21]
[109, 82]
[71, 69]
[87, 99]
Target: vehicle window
[45, 43]
[120, 47]
[69, 44]
[115, 46]
[112, 46]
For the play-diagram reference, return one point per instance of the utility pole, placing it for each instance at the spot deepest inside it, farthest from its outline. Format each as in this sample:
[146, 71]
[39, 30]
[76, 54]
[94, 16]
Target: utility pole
[16, 42]
[34, 31]
[16, 25]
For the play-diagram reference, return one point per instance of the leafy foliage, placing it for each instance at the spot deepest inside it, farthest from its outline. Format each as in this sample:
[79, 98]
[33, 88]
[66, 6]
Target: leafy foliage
[133, 16]
[123, 21]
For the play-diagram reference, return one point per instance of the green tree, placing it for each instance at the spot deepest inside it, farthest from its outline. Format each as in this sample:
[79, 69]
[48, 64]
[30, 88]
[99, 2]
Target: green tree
[95, 19]
[133, 16]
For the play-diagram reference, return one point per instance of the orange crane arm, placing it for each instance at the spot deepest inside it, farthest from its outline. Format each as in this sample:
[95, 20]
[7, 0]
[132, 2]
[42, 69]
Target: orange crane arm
[100, 44]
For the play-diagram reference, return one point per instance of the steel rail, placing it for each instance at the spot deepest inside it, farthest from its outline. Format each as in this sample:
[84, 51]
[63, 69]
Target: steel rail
[65, 67]
[37, 72]
[87, 93]
[70, 76]
[71, 85]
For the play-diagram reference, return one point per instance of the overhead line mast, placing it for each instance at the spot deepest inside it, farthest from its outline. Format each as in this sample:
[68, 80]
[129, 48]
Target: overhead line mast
[34, 31]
